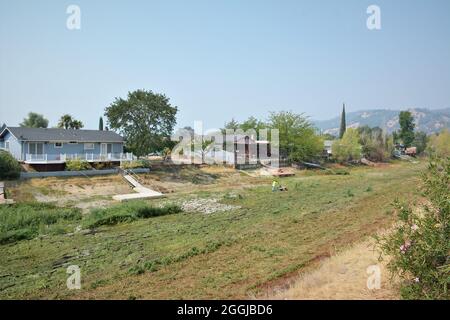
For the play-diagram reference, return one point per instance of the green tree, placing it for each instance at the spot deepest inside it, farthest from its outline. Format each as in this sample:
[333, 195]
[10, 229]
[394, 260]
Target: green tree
[100, 124]
[76, 124]
[233, 124]
[375, 144]
[343, 123]
[439, 144]
[252, 123]
[406, 121]
[68, 122]
[34, 120]
[298, 140]
[420, 141]
[9, 167]
[348, 148]
[146, 119]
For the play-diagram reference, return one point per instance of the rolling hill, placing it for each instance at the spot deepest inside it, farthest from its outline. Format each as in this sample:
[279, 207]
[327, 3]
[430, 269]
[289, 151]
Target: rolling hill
[429, 121]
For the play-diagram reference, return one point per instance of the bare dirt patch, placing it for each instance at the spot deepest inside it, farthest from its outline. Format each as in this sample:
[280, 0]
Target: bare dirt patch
[342, 276]
[69, 190]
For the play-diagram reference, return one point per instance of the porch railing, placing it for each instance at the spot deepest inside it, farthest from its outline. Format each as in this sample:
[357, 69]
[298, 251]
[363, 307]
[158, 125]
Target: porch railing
[90, 157]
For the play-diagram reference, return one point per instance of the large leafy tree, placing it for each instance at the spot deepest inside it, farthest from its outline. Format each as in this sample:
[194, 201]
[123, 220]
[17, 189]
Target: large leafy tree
[146, 119]
[348, 148]
[68, 122]
[376, 145]
[298, 140]
[406, 121]
[250, 124]
[34, 120]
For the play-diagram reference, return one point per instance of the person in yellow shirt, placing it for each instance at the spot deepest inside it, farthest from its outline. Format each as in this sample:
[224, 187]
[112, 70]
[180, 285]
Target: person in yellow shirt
[274, 185]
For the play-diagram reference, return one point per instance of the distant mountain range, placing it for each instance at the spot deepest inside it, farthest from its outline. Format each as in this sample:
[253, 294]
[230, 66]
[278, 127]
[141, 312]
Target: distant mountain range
[429, 121]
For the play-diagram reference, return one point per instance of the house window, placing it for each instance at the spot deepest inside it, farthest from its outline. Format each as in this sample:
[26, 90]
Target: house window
[89, 146]
[7, 145]
[58, 145]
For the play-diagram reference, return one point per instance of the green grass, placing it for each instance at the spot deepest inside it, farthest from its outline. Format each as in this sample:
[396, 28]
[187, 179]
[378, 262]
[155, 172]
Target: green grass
[220, 255]
[25, 221]
[126, 212]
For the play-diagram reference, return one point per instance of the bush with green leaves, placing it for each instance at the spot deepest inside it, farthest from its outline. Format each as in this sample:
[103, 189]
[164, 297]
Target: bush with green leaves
[126, 212]
[419, 247]
[77, 165]
[439, 144]
[348, 148]
[27, 220]
[9, 167]
[135, 164]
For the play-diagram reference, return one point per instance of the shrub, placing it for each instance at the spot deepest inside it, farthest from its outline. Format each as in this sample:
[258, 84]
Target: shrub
[111, 220]
[136, 164]
[25, 221]
[126, 212]
[9, 167]
[17, 235]
[439, 145]
[339, 172]
[419, 246]
[77, 165]
[147, 212]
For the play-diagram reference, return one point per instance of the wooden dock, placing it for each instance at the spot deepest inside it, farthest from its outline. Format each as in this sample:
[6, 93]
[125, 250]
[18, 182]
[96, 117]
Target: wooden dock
[141, 191]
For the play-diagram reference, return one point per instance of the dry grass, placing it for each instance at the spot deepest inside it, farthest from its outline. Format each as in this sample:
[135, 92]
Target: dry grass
[343, 276]
[270, 238]
[80, 192]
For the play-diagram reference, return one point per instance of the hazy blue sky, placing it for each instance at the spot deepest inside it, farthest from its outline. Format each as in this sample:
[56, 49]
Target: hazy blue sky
[222, 59]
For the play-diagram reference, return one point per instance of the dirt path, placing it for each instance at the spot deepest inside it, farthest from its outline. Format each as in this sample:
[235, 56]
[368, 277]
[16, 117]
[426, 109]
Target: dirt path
[342, 276]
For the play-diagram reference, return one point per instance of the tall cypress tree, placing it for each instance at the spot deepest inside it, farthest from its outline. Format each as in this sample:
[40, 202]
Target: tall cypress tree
[100, 124]
[343, 123]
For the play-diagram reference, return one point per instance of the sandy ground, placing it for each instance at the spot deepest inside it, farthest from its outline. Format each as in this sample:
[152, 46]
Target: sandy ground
[81, 192]
[96, 192]
[343, 276]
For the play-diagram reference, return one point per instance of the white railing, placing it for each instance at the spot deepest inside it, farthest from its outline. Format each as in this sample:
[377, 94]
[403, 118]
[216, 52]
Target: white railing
[90, 157]
[36, 157]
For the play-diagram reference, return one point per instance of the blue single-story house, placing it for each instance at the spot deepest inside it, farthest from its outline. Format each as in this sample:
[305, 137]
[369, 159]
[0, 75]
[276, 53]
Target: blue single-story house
[56, 146]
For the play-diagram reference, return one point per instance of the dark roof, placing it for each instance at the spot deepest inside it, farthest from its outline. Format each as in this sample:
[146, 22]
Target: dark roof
[63, 135]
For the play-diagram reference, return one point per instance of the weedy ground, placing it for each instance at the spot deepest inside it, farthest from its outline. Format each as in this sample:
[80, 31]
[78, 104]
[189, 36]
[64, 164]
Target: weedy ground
[261, 242]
